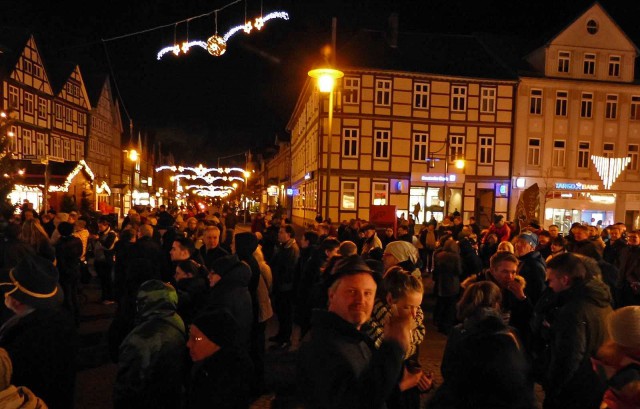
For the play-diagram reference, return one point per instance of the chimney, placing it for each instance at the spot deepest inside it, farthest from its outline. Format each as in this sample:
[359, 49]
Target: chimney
[393, 30]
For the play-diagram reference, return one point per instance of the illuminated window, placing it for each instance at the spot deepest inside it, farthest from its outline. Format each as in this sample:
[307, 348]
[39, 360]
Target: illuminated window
[28, 144]
[348, 194]
[379, 192]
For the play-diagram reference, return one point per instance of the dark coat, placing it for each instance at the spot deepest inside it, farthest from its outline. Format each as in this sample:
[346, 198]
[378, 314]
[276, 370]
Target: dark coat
[283, 265]
[232, 292]
[43, 346]
[191, 292]
[338, 367]
[533, 268]
[209, 256]
[68, 253]
[148, 248]
[577, 332]
[484, 367]
[152, 358]
[446, 273]
[221, 381]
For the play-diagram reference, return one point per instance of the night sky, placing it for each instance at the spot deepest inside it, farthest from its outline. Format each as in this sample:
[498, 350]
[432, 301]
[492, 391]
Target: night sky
[242, 100]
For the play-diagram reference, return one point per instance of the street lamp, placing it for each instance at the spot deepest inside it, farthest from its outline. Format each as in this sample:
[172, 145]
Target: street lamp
[246, 174]
[133, 156]
[326, 78]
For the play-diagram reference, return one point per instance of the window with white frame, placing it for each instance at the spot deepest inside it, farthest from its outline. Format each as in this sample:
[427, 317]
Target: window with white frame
[608, 149]
[535, 102]
[41, 145]
[28, 144]
[383, 92]
[488, 100]
[421, 95]
[79, 150]
[632, 152]
[458, 98]
[584, 153]
[381, 144]
[68, 115]
[348, 195]
[66, 149]
[614, 65]
[13, 134]
[59, 112]
[456, 147]
[564, 61]
[13, 97]
[55, 149]
[589, 64]
[485, 154]
[420, 145]
[559, 153]
[350, 142]
[28, 103]
[42, 108]
[611, 107]
[586, 105]
[533, 152]
[562, 99]
[635, 108]
[351, 90]
[379, 193]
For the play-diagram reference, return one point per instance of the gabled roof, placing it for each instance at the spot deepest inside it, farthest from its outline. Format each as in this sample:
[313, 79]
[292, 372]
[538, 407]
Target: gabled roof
[59, 72]
[440, 54]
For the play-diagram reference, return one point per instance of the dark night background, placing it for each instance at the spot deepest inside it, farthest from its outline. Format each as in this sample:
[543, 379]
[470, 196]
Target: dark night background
[242, 100]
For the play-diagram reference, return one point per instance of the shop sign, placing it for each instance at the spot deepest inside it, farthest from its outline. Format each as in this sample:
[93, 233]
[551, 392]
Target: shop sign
[272, 191]
[308, 176]
[438, 178]
[293, 192]
[576, 186]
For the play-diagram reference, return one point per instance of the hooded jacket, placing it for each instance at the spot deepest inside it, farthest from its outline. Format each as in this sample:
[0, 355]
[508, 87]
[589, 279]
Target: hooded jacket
[577, 332]
[533, 268]
[152, 358]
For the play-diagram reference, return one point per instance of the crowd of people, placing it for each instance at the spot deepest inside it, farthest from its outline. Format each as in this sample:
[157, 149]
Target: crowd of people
[519, 304]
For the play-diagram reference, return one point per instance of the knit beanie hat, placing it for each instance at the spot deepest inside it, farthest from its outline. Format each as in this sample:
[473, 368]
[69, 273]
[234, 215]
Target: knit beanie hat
[624, 326]
[219, 326]
[246, 244]
[6, 369]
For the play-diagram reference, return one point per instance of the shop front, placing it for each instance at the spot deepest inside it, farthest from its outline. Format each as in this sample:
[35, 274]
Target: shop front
[581, 203]
[431, 194]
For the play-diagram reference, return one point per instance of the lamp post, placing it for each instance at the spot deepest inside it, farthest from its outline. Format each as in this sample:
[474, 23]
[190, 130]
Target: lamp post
[326, 78]
[133, 157]
[246, 174]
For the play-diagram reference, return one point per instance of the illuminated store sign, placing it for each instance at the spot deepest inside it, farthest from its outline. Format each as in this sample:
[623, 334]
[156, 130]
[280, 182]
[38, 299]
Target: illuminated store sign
[576, 186]
[438, 178]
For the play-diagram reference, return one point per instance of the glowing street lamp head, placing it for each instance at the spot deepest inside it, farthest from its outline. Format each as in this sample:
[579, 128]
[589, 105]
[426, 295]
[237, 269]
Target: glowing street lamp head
[460, 163]
[133, 155]
[326, 78]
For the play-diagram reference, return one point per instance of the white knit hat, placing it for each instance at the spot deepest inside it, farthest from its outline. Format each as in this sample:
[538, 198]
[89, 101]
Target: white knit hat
[624, 326]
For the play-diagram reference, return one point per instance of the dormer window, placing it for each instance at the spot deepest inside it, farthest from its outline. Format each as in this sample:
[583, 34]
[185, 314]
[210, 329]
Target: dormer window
[564, 61]
[592, 27]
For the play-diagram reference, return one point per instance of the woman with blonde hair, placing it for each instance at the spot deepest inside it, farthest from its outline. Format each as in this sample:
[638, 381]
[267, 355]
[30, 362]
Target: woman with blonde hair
[506, 246]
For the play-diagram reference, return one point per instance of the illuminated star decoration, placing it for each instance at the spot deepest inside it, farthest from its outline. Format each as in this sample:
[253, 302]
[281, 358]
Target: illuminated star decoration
[609, 168]
[217, 45]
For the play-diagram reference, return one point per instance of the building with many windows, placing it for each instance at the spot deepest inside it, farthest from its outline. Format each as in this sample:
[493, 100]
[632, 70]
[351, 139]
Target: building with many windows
[408, 109]
[576, 101]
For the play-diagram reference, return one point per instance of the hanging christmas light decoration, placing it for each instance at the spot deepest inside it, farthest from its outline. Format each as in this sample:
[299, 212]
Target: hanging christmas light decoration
[609, 168]
[217, 45]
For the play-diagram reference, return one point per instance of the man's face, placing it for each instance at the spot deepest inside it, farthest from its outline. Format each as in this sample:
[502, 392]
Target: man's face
[332, 253]
[614, 234]
[212, 239]
[633, 239]
[353, 298]
[283, 236]
[389, 232]
[177, 253]
[557, 282]
[553, 231]
[522, 247]
[504, 273]
[543, 240]
[580, 235]
[200, 347]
